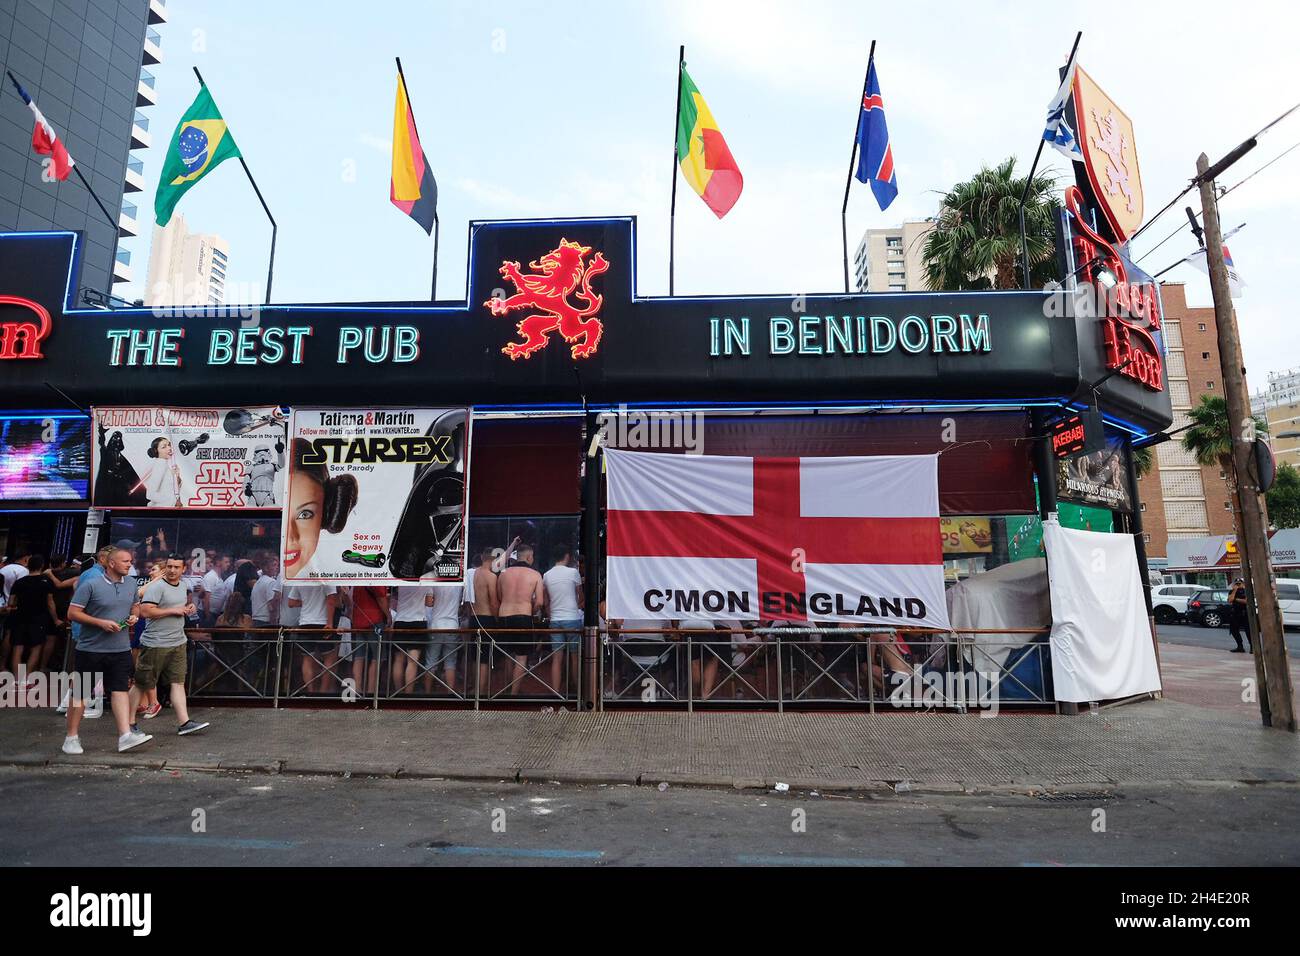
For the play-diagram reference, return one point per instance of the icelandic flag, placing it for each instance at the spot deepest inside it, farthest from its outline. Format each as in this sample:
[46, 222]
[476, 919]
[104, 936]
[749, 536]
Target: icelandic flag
[44, 140]
[1058, 131]
[875, 155]
[717, 537]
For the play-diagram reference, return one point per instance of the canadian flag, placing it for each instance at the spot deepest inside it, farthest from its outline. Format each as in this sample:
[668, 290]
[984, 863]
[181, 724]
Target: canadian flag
[44, 140]
[802, 539]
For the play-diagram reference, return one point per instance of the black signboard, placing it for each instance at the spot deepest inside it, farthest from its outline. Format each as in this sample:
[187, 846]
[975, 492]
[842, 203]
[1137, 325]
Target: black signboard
[553, 317]
[1098, 478]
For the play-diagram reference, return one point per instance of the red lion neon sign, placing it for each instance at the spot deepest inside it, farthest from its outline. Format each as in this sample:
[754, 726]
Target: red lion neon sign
[1132, 311]
[556, 276]
[22, 339]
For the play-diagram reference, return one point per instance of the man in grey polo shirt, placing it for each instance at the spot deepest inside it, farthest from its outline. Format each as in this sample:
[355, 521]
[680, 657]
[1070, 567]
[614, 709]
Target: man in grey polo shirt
[104, 606]
[165, 604]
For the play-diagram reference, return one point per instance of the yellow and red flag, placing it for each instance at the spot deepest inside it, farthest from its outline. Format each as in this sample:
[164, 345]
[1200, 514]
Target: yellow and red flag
[706, 161]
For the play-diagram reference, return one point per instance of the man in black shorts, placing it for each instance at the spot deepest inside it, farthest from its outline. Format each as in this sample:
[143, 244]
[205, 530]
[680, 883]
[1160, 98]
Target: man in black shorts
[104, 606]
[32, 618]
[520, 596]
[483, 613]
[316, 603]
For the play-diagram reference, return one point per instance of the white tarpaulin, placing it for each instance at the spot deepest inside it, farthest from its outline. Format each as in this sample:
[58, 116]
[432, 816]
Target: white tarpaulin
[802, 539]
[1011, 596]
[1101, 641]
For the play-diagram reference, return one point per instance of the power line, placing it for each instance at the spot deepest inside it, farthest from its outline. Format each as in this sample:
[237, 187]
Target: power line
[1231, 157]
[1221, 195]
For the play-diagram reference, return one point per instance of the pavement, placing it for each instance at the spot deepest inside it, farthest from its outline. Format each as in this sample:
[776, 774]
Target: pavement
[81, 816]
[1205, 729]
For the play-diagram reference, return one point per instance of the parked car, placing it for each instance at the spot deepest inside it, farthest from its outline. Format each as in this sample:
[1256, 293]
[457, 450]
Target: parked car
[1288, 598]
[1209, 609]
[1169, 601]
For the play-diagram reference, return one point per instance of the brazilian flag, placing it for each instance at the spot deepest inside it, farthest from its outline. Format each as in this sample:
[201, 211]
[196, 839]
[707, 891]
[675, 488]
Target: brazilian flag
[200, 142]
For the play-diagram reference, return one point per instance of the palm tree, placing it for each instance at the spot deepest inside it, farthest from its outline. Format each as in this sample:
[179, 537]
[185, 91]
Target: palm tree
[1210, 436]
[976, 236]
[1142, 461]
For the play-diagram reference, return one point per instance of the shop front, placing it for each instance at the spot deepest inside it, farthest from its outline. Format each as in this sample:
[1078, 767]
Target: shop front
[453, 431]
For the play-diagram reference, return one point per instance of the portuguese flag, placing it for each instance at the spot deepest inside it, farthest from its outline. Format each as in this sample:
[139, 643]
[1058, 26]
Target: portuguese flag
[706, 161]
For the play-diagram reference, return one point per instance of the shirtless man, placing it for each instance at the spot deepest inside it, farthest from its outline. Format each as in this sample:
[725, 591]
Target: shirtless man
[483, 614]
[519, 597]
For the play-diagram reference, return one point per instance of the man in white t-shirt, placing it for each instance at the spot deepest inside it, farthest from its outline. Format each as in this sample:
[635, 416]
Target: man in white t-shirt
[444, 649]
[408, 606]
[214, 590]
[10, 574]
[563, 602]
[266, 594]
[315, 604]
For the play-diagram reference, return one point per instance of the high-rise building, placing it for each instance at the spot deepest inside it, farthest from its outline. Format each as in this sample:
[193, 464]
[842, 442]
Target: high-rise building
[1180, 498]
[889, 260]
[1279, 405]
[84, 64]
[186, 268]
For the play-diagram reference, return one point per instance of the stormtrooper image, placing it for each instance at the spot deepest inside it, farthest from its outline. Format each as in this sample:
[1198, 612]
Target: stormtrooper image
[260, 484]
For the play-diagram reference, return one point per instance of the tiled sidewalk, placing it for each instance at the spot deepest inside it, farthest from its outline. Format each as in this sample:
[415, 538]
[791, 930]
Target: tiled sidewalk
[1202, 731]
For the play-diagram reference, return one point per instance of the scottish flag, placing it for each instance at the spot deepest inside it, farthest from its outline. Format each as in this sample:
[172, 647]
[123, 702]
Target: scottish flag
[875, 155]
[1058, 131]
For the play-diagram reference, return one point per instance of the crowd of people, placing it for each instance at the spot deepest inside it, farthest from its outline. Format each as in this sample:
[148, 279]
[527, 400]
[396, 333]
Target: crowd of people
[521, 625]
[127, 636]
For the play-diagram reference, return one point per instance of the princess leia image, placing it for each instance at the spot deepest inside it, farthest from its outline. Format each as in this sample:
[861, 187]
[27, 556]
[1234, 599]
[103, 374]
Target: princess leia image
[162, 482]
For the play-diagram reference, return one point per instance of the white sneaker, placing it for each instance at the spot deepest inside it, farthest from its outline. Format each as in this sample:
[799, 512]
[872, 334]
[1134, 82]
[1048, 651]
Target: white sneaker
[94, 709]
[63, 704]
[72, 745]
[132, 738]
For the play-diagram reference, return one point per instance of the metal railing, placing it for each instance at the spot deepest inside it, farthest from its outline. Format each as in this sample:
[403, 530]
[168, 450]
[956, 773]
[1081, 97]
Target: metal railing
[780, 667]
[373, 665]
[820, 667]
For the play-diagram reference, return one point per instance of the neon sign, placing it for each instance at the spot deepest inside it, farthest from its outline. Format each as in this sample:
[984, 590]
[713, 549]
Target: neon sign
[22, 339]
[1131, 312]
[556, 275]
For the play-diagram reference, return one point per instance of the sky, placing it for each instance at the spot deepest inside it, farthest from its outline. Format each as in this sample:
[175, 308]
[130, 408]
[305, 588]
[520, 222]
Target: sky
[532, 109]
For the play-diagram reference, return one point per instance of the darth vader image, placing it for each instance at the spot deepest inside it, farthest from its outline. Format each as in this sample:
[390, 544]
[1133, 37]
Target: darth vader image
[116, 480]
[430, 537]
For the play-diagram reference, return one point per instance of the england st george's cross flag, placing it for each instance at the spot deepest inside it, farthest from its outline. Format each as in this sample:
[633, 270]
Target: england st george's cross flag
[801, 539]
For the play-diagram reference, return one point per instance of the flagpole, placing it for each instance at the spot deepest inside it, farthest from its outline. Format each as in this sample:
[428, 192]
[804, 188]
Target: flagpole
[853, 153]
[93, 195]
[270, 267]
[1029, 180]
[672, 213]
[433, 293]
[76, 169]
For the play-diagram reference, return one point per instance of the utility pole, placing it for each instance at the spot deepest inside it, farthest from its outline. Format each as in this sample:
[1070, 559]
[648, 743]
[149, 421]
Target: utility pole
[1270, 650]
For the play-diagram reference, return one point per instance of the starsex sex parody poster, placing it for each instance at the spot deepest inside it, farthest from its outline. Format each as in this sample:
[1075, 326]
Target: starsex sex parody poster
[376, 495]
[194, 459]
